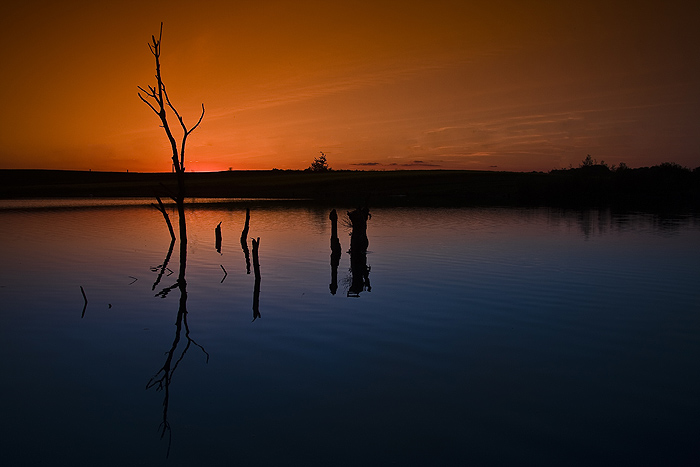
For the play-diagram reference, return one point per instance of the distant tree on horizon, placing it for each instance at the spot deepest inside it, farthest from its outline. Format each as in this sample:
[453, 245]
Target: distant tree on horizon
[320, 164]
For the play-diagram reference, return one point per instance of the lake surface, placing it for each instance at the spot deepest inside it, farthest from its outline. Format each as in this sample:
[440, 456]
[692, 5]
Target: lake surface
[485, 337]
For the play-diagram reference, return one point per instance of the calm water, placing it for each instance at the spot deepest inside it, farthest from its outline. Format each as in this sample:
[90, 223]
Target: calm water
[489, 337]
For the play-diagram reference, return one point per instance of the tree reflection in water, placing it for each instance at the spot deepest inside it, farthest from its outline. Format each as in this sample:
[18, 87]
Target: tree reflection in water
[182, 341]
[163, 377]
[157, 99]
[162, 268]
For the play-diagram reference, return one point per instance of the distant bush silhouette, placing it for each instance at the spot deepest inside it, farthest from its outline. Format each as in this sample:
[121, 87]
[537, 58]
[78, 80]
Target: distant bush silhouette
[320, 164]
[588, 162]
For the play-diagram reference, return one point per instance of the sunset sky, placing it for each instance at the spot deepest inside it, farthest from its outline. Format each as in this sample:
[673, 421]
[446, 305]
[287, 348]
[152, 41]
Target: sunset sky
[494, 85]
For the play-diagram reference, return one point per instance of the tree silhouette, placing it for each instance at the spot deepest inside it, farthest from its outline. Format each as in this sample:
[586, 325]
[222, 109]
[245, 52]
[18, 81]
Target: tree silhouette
[156, 97]
[320, 164]
[588, 162]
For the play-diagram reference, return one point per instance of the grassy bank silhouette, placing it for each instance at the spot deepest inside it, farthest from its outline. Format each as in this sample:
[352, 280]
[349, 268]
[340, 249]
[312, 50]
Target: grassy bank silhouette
[664, 186]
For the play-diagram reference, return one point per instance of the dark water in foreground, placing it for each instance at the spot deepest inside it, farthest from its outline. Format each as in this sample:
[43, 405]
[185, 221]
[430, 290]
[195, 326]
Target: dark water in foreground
[489, 337]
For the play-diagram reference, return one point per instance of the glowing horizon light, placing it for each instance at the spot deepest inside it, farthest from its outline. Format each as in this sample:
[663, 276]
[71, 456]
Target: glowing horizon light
[473, 85]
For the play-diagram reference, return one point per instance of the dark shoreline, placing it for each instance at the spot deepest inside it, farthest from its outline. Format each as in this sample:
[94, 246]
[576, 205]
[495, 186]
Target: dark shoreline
[665, 187]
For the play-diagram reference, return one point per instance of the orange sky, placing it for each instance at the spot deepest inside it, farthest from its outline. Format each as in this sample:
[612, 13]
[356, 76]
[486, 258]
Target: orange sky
[504, 85]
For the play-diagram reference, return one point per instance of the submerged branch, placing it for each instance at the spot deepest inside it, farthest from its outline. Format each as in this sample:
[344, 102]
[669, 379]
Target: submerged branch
[86, 301]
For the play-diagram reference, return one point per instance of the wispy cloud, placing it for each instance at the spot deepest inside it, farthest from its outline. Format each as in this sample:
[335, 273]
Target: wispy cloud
[415, 163]
[353, 77]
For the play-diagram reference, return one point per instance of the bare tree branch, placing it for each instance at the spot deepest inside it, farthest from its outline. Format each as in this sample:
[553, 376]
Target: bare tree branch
[185, 131]
[147, 103]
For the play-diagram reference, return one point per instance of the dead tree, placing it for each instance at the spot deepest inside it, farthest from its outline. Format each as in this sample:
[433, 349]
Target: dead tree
[156, 97]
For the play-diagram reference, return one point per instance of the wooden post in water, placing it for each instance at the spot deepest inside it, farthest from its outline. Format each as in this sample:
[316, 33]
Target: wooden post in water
[217, 233]
[358, 220]
[256, 288]
[336, 252]
[244, 240]
[358, 252]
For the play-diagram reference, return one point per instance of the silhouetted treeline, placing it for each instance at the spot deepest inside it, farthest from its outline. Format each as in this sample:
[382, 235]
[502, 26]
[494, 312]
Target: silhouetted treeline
[663, 186]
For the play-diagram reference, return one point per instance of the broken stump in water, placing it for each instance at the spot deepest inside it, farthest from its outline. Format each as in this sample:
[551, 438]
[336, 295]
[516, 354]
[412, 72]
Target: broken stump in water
[256, 287]
[217, 232]
[336, 251]
[358, 221]
[358, 252]
[244, 240]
